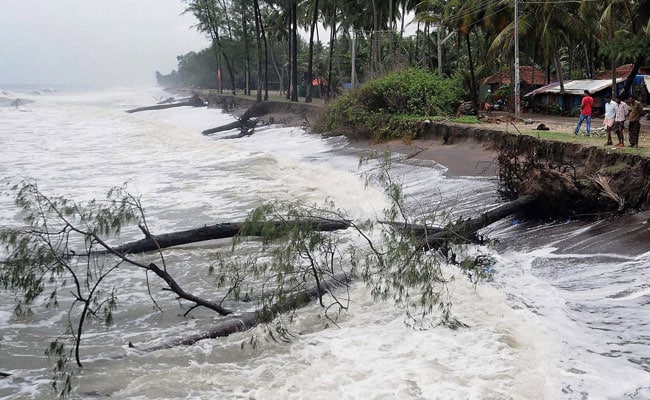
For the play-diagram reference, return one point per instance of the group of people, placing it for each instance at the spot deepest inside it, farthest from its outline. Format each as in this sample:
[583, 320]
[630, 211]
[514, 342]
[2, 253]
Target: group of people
[615, 115]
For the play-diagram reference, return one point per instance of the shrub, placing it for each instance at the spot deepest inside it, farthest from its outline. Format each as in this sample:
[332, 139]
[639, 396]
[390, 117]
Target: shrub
[390, 106]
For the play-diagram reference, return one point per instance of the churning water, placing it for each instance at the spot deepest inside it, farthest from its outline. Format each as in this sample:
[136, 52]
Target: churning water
[565, 317]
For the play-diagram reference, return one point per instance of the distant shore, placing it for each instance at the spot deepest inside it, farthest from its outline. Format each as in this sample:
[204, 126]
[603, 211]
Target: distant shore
[468, 157]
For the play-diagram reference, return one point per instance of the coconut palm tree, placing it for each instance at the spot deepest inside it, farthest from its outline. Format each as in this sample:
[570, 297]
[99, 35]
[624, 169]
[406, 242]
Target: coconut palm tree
[628, 24]
[310, 59]
[211, 18]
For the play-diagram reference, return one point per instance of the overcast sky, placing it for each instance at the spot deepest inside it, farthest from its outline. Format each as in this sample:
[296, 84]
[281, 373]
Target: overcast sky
[93, 42]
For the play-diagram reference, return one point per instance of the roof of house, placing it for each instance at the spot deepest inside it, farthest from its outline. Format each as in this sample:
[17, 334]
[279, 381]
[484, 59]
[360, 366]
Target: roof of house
[576, 87]
[621, 72]
[525, 74]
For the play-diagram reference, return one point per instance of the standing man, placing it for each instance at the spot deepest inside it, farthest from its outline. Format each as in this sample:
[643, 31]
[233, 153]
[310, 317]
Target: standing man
[585, 112]
[636, 109]
[622, 110]
[610, 114]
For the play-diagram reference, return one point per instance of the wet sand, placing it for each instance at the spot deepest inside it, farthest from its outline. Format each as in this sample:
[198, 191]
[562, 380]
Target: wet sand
[467, 158]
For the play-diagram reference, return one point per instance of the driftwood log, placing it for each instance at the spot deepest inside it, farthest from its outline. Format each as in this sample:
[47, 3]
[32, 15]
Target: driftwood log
[217, 231]
[194, 101]
[464, 230]
[248, 320]
[244, 125]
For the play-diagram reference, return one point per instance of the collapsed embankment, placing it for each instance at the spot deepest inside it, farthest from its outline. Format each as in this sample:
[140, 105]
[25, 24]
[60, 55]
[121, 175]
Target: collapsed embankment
[574, 177]
[583, 178]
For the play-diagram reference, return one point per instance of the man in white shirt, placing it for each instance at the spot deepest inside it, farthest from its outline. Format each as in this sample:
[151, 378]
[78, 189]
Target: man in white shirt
[610, 114]
[622, 109]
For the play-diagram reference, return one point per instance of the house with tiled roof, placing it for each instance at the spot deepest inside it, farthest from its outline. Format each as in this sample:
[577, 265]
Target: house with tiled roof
[622, 72]
[530, 78]
[528, 75]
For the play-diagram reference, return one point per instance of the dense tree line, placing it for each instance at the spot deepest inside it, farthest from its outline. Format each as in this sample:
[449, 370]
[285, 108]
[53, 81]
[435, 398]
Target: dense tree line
[258, 46]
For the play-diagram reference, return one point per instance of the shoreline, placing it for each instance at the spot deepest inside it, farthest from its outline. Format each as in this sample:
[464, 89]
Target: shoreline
[468, 158]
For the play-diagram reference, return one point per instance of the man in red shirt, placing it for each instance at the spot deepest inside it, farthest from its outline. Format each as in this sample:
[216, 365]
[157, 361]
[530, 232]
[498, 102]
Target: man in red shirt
[585, 112]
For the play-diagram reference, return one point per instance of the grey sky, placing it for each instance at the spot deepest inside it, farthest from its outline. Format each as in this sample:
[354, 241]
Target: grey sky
[93, 42]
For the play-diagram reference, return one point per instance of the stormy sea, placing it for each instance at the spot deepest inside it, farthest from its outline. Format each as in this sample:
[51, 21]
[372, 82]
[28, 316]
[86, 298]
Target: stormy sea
[565, 313]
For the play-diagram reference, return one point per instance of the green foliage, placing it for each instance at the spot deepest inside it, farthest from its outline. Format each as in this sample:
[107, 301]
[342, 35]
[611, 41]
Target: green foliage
[574, 112]
[62, 382]
[40, 255]
[627, 46]
[502, 92]
[391, 106]
[397, 266]
[293, 258]
[465, 119]
[555, 109]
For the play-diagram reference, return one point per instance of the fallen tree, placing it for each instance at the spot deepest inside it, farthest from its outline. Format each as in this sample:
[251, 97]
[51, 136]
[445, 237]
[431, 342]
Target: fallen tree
[40, 258]
[247, 320]
[218, 231]
[298, 257]
[463, 230]
[194, 101]
[244, 125]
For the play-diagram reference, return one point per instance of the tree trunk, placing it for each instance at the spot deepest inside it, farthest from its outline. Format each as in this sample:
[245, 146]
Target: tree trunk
[464, 230]
[277, 71]
[472, 85]
[240, 124]
[259, 48]
[247, 65]
[214, 29]
[288, 63]
[217, 231]
[328, 93]
[266, 52]
[374, 42]
[310, 61]
[294, 51]
[248, 320]
[194, 101]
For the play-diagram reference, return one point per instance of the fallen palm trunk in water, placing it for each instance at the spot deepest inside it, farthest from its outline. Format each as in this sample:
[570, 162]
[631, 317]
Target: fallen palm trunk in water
[460, 232]
[248, 320]
[194, 101]
[464, 230]
[218, 231]
[243, 125]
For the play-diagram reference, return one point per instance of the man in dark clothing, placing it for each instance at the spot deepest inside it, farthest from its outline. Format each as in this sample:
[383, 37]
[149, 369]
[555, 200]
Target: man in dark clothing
[636, 110]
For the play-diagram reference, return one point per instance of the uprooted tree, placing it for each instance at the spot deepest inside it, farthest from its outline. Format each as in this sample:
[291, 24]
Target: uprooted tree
[294, 264]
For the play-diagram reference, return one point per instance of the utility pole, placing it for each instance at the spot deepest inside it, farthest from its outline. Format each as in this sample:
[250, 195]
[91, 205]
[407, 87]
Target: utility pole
[517, 80]
[353, 54]
[440, 31]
